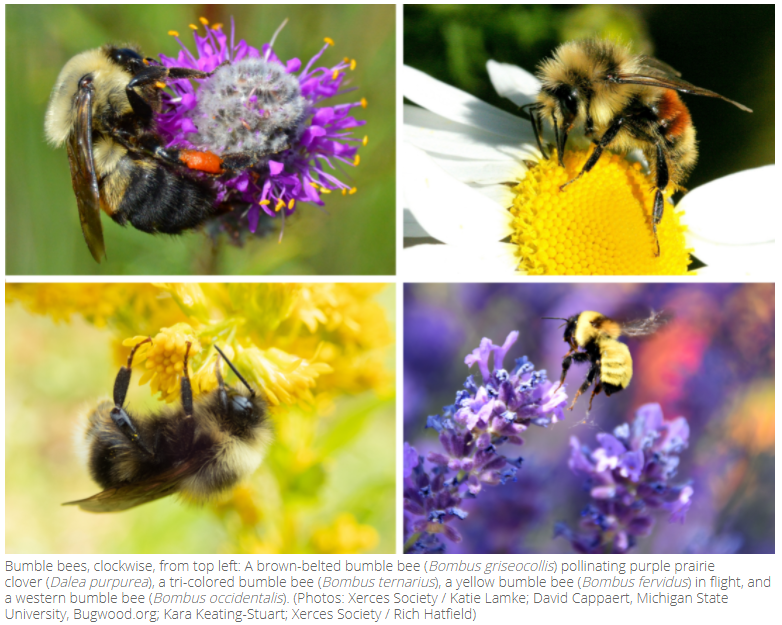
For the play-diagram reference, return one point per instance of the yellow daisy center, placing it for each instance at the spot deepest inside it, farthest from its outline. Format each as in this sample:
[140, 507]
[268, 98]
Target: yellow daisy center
[601, 224]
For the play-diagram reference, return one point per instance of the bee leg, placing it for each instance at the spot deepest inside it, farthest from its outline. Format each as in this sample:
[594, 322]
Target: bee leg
[186, 388]
[595, 391]
[593, 371]
[659, 201]
[121, 418]
[608, 136]
[534, 115]
[221, 384]
[567, 361]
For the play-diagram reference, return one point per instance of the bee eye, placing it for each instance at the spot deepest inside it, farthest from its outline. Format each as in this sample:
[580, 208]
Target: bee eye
[241, 408]
[124, 56]
[568, 98]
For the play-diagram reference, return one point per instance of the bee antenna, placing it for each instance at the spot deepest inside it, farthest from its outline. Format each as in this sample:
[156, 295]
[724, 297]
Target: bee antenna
[558, 318]
[238, 375]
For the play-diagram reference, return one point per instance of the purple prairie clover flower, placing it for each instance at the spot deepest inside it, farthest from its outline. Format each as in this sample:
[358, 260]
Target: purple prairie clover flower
[471, 431]
[629, 476]
[256, 102]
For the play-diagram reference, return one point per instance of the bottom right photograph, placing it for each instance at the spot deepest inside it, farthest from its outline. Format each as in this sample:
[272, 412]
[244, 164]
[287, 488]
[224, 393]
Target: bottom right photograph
[589, 418]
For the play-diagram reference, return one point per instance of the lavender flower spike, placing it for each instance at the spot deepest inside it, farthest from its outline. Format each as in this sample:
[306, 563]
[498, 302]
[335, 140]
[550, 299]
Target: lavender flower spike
[471, 431]
[628, 477]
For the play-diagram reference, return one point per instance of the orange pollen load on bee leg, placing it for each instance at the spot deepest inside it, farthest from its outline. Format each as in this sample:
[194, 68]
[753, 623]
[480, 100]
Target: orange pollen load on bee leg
[674, 113]
[202, 161]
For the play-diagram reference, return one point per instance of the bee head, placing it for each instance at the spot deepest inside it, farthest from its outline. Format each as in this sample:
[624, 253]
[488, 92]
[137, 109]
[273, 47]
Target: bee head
[127, 58]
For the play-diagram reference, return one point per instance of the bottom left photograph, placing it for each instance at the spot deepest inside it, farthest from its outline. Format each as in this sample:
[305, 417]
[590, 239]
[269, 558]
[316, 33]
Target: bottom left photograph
[200, 418]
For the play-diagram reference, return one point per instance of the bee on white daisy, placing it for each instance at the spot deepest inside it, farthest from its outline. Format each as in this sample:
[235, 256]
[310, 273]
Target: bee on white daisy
[475, 181]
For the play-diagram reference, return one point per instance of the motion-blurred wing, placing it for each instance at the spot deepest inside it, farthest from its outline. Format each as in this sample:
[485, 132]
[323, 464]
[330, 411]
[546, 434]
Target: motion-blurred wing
[675, 83]
[83, 176]
[126, 497]
[648, 325]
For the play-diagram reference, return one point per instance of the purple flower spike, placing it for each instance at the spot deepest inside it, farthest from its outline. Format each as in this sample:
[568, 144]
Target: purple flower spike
[628, 477]
[471, 433]
[256, 103]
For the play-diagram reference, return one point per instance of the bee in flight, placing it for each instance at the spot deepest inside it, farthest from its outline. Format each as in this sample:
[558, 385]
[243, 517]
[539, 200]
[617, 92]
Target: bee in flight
[200, 449]
[103, 108]
[593, 338]
[623, 101]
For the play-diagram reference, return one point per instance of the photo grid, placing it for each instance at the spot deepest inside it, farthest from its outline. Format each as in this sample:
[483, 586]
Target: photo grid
[302, 296]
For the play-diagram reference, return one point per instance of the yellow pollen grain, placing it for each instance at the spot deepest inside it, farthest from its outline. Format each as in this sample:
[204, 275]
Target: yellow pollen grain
[363, 103]
[193, 26]
[292, 203]
[599, 225]
[325, 190]
[217, 26]
[264, 202]
[344, 191]
[352, 191]
[335, 75]
[204, 21]
[329, 40]
[314, 184]
[160, 85]
[279, 206]
[365, 141]
[353, 64]
[357, 160]
[173, 33]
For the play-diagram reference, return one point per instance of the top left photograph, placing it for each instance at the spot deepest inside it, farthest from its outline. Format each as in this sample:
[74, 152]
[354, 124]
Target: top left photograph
[200, 140]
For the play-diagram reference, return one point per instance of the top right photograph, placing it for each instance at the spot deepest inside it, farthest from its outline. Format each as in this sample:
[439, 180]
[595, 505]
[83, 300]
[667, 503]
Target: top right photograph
[632, 140]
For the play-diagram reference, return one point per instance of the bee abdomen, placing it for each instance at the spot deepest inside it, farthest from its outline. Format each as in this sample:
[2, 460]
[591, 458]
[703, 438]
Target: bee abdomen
[616, 365]
[157, 200]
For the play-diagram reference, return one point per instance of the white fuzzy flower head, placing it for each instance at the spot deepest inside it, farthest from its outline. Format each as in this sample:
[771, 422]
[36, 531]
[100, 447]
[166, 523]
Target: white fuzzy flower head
[252, 105]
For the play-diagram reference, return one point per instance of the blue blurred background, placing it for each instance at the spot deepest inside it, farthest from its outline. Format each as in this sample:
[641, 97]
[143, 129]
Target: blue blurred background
[713, 364]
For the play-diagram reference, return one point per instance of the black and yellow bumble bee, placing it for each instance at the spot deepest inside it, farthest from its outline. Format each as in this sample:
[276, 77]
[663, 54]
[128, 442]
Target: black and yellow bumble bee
[593, 338]
[103, 108]
[623, 101]
[199, 449]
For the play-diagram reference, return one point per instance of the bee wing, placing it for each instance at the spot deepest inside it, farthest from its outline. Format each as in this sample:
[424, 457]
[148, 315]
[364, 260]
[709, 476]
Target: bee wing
[656, 65]
[673, 82]
[83, 176]
[648, 325]
[132, 495]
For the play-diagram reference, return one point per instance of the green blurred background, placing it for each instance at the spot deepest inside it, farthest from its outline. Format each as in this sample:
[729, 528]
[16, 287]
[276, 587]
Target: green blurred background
[57, 375]
[728, 48]
[355, 234]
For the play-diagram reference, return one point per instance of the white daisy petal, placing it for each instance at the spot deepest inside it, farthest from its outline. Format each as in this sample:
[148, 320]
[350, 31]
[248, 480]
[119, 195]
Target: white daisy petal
[412, 228]
[738, 209]
[481, 172]
[434, 263]
[512, 82]
[736, 262]
[458, 106]
[448, 210]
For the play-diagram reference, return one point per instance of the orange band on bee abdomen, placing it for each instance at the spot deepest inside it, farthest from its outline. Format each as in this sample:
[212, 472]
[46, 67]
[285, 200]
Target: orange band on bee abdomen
[202, 161]
[673, 114]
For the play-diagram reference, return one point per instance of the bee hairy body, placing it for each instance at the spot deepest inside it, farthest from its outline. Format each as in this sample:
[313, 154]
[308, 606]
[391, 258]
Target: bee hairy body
[624, 102]
[103, 108]
[594, 338]
[199, 449]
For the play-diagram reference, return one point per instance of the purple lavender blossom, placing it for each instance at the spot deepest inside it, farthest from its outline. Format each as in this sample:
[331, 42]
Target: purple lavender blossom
[470, 431]
[257, 102]
[628, 477]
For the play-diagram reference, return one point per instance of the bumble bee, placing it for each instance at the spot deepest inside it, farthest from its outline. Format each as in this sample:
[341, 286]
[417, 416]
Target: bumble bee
[103, 108]
[624, 101]
[199, 449]
[611, 366]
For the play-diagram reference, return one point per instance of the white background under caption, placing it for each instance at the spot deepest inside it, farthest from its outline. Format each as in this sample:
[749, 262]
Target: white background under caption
[366, 589]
